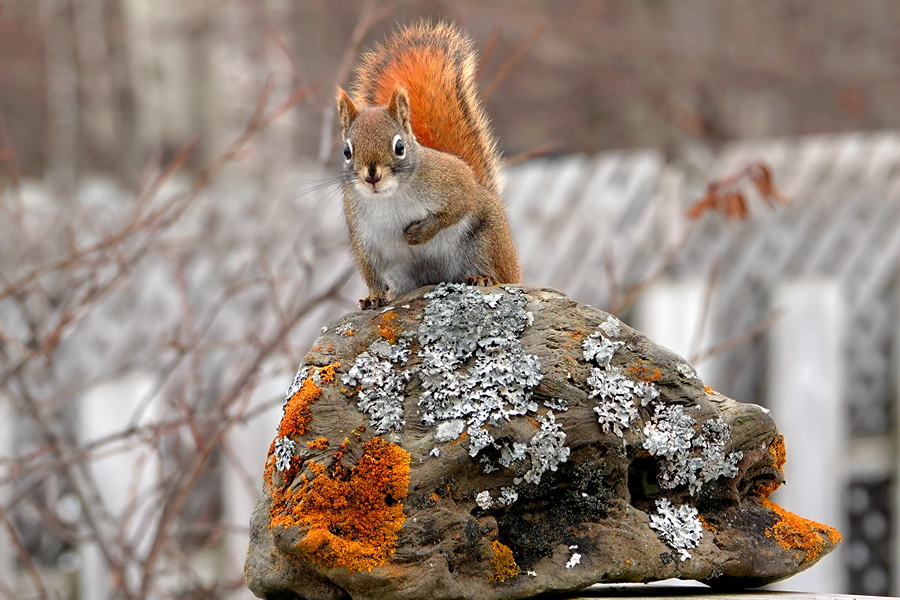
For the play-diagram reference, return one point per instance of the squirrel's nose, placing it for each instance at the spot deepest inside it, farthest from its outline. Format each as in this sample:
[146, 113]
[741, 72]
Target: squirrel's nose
[373, 176]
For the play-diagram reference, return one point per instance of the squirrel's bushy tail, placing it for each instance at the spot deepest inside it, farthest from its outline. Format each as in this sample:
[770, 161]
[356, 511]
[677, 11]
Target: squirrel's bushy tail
[436, 64]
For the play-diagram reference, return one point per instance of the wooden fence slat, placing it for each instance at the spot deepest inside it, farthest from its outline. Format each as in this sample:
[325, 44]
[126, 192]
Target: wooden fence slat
[805, 396]
[122, 478]
[669, 313]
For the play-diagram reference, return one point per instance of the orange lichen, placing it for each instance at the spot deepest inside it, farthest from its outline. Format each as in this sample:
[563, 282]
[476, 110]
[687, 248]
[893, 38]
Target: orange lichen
[709, 390]
[641, 371]
[351, 519]
[793, 532]
[320, 443]
[327, 373]
[388, 328]
[578, 334]
[505, 565]
[779, 457]
[778, 452]
[706, 524]
[297, 413]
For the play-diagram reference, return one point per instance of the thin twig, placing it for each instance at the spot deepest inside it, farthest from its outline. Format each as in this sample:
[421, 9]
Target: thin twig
[742, 338]
[664, 265]
[509, 64]
[235, 391]
[24, 556]
[703, 314]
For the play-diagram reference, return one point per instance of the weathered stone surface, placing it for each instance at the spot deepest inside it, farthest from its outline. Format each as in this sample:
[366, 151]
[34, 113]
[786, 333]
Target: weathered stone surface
[503, 442]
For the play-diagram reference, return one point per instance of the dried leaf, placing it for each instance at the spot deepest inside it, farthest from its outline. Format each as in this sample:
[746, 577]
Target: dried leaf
[761, 176]
[726, 197]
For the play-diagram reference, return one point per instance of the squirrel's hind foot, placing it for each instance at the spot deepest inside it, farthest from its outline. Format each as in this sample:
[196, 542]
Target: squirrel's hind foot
[372, 302]
[480, 281]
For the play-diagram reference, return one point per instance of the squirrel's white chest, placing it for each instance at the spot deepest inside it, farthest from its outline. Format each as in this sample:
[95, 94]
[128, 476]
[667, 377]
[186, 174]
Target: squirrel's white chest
[380, 223]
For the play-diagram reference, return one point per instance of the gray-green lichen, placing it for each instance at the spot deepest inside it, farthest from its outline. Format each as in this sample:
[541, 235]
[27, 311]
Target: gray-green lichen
[547, 449]
[679, 527]
[669, 432]
[508, 495]
[473, 364]
[689, 459]
[284, 453]
[616, 391]
[381, 380]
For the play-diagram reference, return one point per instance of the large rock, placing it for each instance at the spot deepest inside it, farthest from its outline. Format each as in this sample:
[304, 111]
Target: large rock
[503, 442]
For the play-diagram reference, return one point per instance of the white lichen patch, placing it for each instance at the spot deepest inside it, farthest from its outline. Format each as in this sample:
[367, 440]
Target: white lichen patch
[447, 431]
[296, 384]
[513, 453]
[714, 436]
[284, 453]
[483, 500]
[679, 527]
[611, 326]
[473, 365]
[558, 404]
[381, 383]
[479, 438]
[573, 560]
[489, 466]
[508, 495]
[599, 349]
[616, 410]
[546, 449]
[689, 459]
[435, 452]
[686, 371]
[345, 330]
[669, 432]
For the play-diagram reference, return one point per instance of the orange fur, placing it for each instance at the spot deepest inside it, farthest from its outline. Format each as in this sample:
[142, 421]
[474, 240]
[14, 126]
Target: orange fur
[436, 65]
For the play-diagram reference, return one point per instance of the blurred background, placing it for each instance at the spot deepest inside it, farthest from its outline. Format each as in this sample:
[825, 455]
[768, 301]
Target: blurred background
[171, 242]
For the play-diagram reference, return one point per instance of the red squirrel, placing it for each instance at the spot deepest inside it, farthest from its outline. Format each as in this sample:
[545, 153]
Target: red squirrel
[420, 177]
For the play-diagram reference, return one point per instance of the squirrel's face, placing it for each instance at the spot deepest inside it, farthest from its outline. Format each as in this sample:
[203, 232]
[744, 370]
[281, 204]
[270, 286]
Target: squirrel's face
[380, 149]
[378, 153]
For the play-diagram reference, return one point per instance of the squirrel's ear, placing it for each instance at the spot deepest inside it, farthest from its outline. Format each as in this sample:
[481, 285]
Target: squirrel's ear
[398, 108]
[346, 109]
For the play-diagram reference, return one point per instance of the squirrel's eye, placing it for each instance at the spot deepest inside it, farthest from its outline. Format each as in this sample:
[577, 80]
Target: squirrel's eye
[399, 147]
[348, 151]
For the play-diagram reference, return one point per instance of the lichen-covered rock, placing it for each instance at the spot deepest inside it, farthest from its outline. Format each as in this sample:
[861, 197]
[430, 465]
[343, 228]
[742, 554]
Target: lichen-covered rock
[503, 442]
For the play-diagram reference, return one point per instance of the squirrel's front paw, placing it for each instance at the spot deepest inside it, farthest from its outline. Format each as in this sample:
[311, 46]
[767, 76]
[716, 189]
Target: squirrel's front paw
[418, 232]
[372, 302]
[479, 281]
